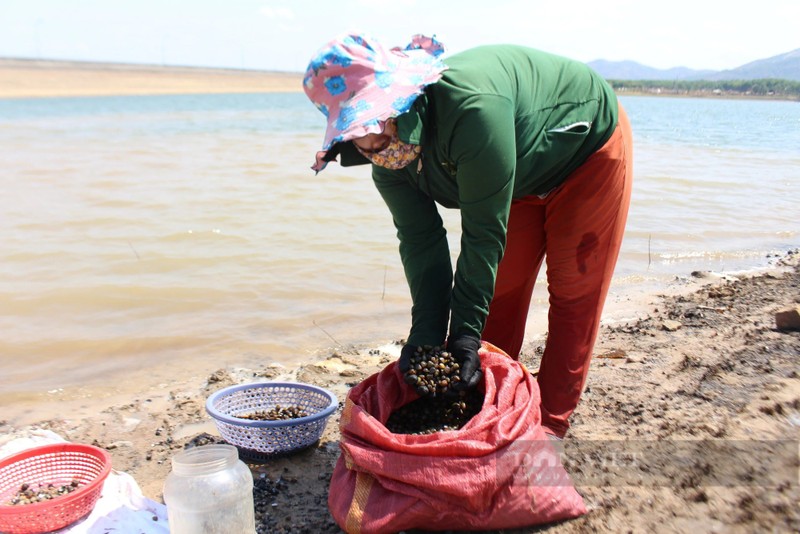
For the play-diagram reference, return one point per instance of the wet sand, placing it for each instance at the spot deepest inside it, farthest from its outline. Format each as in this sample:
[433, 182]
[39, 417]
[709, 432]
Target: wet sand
[40, 78]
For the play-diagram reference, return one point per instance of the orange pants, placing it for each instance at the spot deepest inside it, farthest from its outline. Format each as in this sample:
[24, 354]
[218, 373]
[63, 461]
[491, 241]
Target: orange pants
[578, 227]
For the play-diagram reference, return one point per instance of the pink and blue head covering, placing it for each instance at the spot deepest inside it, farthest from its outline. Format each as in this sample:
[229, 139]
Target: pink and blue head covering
[358, 84]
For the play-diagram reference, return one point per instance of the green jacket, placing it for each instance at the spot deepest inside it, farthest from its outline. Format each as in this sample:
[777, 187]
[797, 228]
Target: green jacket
[504, 122]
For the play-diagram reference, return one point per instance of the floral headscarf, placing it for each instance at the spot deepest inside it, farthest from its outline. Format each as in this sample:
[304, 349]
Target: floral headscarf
[357, 84]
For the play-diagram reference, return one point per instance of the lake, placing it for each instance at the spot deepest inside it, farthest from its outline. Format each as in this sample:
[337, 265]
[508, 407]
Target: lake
[153, 235]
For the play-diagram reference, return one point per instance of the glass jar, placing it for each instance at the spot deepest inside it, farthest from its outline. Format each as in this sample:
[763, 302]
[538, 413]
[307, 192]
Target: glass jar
[209, 491]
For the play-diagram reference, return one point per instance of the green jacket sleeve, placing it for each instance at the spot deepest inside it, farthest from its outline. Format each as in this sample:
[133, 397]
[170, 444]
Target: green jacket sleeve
[424, 252]
[483, 148]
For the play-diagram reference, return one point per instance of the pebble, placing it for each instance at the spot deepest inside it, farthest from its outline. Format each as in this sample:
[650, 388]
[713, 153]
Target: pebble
[277, 413]
[427, 415]
[43, 492]
[432, 371]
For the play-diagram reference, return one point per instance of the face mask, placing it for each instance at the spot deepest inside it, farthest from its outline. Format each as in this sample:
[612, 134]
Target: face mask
[396, 155]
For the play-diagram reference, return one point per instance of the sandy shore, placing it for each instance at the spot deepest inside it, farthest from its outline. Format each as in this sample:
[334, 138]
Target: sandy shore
[34, 78]
[704, 367]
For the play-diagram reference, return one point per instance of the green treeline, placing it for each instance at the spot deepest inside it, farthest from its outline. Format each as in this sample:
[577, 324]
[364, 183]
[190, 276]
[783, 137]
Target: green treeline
[768, 87]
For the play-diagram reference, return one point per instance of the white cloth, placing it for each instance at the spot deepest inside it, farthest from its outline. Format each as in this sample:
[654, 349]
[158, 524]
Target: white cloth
[121, 506]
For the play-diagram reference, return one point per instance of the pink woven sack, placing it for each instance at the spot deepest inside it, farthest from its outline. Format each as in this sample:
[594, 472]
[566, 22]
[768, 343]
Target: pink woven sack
[498, 471]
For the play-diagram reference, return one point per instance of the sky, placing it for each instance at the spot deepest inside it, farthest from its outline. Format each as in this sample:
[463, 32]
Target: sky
[283, 35]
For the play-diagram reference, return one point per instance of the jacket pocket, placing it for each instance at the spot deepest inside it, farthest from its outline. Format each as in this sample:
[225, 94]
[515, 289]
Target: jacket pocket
[579, 128]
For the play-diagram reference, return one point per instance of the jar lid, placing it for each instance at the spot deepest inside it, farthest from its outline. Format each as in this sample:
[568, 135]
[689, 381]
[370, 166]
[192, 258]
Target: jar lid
[205, 459]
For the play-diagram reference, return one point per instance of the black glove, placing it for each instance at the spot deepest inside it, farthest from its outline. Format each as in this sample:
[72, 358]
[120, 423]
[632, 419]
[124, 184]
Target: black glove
[405, 356]
[464, 349]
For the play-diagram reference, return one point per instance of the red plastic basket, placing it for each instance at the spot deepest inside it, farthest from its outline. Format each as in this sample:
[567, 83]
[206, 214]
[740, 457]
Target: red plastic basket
[57, 464]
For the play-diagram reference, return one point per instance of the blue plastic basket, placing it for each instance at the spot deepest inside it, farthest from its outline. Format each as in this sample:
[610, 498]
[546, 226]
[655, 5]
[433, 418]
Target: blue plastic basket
[257, 439]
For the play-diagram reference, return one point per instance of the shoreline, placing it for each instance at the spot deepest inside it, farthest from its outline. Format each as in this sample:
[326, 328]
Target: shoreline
[83, 400]
[703, 362]
[47, 78]
[706, 94]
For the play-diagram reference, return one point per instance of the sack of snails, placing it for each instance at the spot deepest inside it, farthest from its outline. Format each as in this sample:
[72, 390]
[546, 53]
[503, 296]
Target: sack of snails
[498, 471]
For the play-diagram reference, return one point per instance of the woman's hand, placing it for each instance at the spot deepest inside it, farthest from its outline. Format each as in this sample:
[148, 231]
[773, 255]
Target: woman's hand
[404, 363]
[464, 349]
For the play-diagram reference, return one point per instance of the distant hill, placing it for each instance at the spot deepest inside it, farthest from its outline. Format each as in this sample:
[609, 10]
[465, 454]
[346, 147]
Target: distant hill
[784, 66]
[631, 70]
